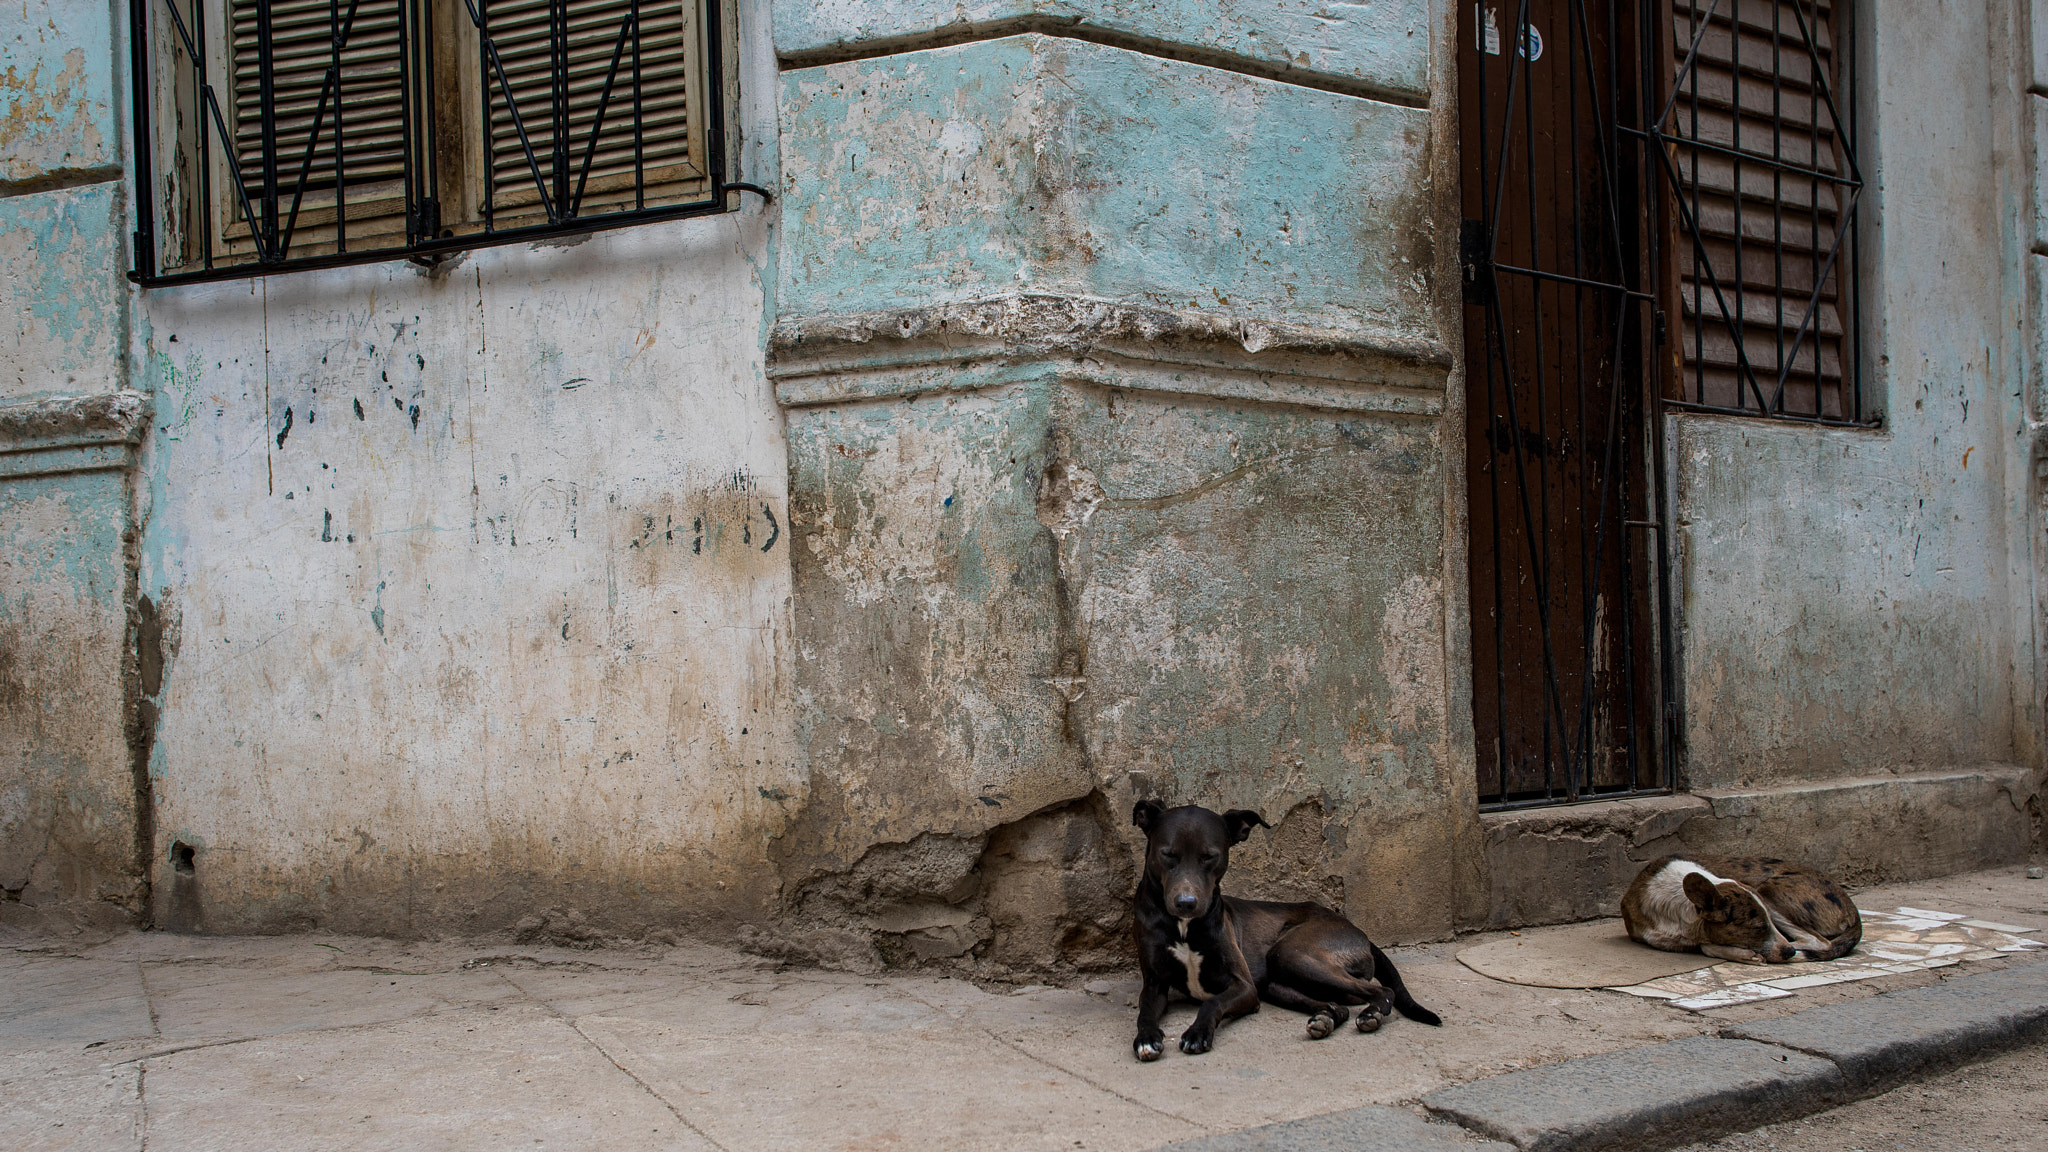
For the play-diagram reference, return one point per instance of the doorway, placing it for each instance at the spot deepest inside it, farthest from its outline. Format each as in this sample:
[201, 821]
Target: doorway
[1571, 639]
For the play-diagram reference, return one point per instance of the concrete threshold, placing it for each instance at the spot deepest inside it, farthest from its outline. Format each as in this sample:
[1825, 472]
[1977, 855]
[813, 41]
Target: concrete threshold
[1698, 1088]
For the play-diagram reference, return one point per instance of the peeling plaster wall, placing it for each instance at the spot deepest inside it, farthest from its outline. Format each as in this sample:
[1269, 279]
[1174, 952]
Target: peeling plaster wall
[480, 587]
[72, 833]
[1853, 600]
[1114, 393]
[1083, 422]
[60, 274]
[67, 812]
[57, 92]
[1218, 625]
[1047, 164]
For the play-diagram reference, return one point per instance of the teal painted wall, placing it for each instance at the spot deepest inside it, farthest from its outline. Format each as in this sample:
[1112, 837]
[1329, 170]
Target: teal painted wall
[61, 257]
[71, 830]
[1255, 613]
[57, 84]
[1037, 163]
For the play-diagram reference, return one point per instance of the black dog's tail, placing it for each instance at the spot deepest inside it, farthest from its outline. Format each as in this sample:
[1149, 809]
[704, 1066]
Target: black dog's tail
[1383, 971]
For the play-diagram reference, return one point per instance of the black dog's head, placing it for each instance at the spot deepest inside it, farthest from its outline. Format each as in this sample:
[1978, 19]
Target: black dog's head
[1187, 850]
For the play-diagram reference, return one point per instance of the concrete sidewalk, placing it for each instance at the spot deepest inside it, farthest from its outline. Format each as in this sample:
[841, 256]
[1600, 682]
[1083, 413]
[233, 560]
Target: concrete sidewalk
[178, 1042]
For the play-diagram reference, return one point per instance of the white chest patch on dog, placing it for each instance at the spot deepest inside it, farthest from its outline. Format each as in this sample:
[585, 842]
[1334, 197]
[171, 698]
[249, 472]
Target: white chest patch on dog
[1190, 960]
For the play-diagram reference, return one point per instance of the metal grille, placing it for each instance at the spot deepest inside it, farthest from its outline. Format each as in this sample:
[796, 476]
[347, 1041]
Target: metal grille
[1758, 149]
[613, 149]
[316, 133]
[1572, 697]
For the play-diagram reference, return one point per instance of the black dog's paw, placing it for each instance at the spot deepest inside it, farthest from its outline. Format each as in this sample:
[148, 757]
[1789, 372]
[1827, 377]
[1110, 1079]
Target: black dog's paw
[1369, 1021]
[1147, 1048]
[1194, 1044]
[1320, 1025]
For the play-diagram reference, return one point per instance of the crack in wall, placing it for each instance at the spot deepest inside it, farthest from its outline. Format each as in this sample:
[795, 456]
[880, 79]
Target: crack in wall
[1045, 894]
[142, 687]
[1068, 497]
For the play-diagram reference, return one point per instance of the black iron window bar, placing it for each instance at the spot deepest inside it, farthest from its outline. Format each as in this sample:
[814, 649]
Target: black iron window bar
[1780, 366]
[270, 184]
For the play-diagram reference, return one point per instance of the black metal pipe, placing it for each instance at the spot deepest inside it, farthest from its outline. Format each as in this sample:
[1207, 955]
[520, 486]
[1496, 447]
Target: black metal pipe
[141, 89]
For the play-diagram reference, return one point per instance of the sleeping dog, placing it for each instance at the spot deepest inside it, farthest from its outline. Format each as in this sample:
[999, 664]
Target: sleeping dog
[1745, 908]
[1228, 954]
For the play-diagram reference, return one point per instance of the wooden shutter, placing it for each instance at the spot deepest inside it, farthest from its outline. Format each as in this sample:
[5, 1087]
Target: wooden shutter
[371, 114]
[1758, 284]
[670, 153]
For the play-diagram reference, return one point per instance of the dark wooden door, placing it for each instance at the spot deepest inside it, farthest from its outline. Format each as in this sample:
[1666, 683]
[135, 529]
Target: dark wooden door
[1560, 321]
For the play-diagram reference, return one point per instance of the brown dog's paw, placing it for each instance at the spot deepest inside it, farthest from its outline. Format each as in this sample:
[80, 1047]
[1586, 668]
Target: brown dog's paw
[1320, 1025]
[1369, 1021]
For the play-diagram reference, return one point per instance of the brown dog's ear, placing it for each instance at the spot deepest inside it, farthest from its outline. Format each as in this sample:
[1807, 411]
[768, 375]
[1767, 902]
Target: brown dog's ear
[1146, 813]
[1240, 821]
[1699, 890]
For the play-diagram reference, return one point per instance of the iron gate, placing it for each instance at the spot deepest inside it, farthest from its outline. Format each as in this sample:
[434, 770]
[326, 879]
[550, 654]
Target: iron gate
[1572, 692]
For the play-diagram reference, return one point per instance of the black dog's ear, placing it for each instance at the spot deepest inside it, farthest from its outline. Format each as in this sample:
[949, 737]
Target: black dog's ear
[1146, 813]
[1699, 890]
[1239, 823]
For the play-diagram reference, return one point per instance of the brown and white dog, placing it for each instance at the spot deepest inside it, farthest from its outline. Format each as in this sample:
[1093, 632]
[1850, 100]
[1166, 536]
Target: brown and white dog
[1745, 908]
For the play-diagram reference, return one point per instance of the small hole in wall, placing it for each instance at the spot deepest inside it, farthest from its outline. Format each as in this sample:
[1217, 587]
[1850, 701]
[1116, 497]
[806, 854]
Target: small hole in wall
[181, 859]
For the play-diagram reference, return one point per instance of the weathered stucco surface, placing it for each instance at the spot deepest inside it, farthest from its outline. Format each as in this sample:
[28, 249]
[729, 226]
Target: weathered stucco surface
[72, 835]
[56, 92]
[1832, 637]
[1111, 391]
[1082, 422]
[67, 815]
[1022, 598]
[1053, 165]
[60, 285]
[478, 588]
[1846, 595]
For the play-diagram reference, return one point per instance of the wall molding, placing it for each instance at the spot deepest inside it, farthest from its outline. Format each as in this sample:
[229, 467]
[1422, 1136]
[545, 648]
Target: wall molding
[990, 342]
[72, 433]
[1071, 27]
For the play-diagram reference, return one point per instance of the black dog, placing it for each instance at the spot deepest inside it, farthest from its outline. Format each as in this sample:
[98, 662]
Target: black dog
[1228, 954]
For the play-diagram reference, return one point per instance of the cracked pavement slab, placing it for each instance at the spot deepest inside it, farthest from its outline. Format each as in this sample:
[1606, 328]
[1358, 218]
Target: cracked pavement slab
[185, 1042]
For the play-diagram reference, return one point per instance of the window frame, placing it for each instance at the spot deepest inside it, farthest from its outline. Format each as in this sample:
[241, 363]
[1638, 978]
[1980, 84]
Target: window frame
[1683, 389]
[194, 216]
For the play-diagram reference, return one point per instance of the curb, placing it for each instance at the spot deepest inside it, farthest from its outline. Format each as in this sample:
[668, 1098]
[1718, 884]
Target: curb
[1684, 1091]
[1697, 1087]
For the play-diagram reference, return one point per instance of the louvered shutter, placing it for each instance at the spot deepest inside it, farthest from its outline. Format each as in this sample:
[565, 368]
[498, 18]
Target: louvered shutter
[370, 112]
[1760, 284]
[668, 156]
